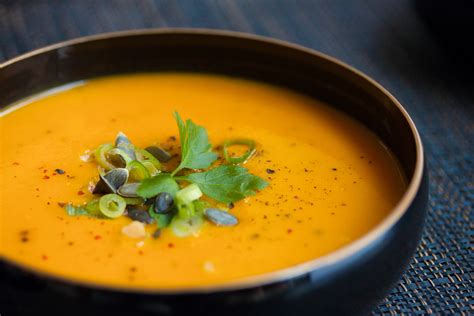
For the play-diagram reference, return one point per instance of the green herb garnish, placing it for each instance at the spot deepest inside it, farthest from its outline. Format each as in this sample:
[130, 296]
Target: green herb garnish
[195, 146]
[160, 183]
[139, 181]
[226, 184]
[244, 157]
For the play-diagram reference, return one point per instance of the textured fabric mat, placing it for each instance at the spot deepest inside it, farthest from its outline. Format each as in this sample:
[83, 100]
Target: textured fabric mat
[385, 39]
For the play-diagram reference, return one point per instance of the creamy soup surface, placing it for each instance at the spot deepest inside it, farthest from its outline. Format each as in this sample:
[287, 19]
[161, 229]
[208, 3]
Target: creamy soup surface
[330, 180]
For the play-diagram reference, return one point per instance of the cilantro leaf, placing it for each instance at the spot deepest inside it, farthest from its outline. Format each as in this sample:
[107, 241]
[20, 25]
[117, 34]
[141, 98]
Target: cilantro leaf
[226, 184]
[195, 146]
[163, 182]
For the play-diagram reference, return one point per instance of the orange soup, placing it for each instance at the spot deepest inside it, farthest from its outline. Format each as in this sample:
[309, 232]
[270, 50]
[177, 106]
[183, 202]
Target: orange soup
[330, 180]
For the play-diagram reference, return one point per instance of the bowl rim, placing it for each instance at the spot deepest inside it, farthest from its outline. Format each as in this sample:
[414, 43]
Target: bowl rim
[268, 278]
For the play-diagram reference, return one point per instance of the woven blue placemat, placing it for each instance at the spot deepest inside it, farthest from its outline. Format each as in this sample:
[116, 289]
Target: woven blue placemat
[385, 39]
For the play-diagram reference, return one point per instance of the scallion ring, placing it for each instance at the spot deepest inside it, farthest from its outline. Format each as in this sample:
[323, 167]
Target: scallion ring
[92, 207]
[133, 200]
[100, 155]
[150, 167]
[112, 205]
[240, 159]
[137, 171]
[143, 155]
[123, 157]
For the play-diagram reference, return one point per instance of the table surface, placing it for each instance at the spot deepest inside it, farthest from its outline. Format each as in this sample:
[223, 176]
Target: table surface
[386, 40]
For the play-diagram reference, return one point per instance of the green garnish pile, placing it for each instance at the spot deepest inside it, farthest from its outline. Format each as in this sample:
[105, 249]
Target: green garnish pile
[134, 182]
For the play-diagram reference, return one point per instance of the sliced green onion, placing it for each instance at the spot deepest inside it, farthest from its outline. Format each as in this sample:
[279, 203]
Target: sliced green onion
[184, 200]
[75, 210]
[240, 159]
[112, 205]
[200, 206]
[189, 193]
[92, 207]
[143, 155]
[122, 154]
[137, 171]
[185, 210]
[183, 227]
[134, 200]
[100, 155]
[150, 167]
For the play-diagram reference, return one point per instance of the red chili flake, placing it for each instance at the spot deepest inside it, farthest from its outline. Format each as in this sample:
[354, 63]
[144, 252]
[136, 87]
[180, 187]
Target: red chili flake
[140, 252]
[46, 177]
[16, 163]
[53, 174]
[80, 193]
[45, 170]
[44, 257]
[61, 204]
[289, 231]
[170, 245]
[97, 237]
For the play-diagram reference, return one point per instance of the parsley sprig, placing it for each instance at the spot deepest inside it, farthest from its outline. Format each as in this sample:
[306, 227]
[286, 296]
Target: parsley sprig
[195, 146]
[225, 183]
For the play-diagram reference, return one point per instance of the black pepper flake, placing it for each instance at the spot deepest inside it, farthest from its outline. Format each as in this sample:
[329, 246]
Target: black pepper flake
[60, 171]
[24, 234]
[334, 169]
[270, 171]
[255, 236]
[230, 205]
[157, 234]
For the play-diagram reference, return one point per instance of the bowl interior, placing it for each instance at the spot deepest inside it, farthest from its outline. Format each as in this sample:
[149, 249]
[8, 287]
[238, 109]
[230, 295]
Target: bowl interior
[216, 52]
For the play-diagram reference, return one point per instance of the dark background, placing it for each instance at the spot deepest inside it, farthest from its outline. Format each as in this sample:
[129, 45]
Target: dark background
[421, 51]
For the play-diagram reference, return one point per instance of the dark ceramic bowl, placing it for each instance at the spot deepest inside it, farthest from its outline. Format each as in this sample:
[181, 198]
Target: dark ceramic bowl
[348, 281]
